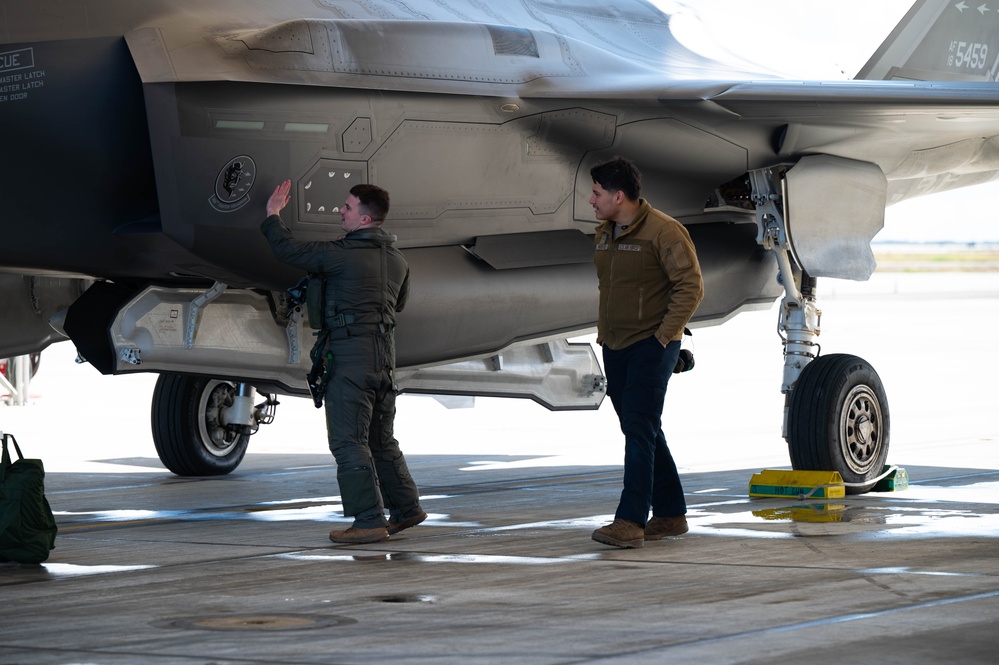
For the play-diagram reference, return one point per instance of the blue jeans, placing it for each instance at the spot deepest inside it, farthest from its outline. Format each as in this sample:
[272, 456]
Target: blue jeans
[636, 384]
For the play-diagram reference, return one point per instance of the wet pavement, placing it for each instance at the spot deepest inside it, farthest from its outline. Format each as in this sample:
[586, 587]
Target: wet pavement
[153, 568]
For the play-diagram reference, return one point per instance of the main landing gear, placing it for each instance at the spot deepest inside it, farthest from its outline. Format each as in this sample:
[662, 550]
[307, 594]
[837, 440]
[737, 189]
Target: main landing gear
[201, 426]
[836, 412]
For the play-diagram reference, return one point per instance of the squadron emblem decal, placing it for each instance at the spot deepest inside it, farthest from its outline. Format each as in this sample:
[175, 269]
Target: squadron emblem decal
[232, 186]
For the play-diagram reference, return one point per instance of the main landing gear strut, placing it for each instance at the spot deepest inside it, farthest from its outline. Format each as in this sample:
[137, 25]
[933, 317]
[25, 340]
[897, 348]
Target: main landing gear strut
[835, 408]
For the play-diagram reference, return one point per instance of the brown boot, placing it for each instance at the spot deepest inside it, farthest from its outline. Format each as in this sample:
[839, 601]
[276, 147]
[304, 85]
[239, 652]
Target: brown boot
[664, 527]
[412, 520]
[359, 536]
[620, 533]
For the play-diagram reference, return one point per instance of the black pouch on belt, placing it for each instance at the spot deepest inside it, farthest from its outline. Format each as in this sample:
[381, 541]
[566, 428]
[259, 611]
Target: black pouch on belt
[322, 368]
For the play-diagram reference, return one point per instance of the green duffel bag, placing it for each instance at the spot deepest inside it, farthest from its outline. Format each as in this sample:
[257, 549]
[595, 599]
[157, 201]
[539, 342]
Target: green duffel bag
[27, 526]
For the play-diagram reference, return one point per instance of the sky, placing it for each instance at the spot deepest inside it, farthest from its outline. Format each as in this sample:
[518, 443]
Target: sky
[808, 39]
[783, 35]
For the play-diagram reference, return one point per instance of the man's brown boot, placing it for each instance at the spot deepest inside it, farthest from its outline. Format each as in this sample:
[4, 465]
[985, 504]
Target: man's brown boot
[412, 520]
[620, 533]
[358, 536]
[664, 527]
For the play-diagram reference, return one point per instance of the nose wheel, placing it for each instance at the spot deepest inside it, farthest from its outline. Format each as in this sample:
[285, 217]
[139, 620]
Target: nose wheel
[838, 420]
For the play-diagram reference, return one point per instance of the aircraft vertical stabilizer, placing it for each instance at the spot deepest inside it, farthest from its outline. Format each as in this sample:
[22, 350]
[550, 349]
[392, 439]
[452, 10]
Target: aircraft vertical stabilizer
[940, 40]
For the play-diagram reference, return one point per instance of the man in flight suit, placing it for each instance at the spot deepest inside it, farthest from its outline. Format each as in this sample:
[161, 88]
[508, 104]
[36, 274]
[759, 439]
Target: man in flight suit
[366, 283]
[650, 284]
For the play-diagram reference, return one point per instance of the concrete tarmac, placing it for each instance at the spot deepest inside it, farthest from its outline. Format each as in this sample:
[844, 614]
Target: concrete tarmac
[153, 568]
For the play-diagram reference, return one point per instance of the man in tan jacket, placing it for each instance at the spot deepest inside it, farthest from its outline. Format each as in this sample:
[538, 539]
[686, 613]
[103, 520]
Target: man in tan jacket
[650, 285]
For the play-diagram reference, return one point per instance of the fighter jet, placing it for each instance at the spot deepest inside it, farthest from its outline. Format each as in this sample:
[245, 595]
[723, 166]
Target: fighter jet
[142, 138]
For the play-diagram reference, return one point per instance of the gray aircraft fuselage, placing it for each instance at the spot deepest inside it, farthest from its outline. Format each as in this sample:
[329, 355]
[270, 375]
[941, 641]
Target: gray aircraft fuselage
[142, 139]
[135, 160]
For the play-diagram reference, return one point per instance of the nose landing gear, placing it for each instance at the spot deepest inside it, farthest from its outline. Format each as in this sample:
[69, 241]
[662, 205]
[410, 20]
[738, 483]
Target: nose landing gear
[836, 411]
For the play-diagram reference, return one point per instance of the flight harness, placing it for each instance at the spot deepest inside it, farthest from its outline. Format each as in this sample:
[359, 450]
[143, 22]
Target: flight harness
[312, 288]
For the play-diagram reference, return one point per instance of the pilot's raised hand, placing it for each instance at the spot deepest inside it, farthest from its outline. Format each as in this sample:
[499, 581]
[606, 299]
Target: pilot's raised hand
[279, 199]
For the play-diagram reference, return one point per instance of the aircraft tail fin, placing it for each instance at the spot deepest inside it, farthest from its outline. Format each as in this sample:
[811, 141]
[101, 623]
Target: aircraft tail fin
[940, 40]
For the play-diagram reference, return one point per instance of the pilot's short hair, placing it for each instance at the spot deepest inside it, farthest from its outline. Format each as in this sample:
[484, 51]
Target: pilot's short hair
[619, 174]
[373, 199]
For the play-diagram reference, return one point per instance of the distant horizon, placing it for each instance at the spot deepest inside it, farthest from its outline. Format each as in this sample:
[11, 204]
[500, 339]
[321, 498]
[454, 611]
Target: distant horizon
[988, 244]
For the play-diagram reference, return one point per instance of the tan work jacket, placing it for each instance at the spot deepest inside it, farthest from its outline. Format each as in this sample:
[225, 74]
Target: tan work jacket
[650, 280]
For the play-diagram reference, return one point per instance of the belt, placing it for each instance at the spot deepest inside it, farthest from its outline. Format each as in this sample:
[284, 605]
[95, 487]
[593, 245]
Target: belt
[341, 320]
[345, 319]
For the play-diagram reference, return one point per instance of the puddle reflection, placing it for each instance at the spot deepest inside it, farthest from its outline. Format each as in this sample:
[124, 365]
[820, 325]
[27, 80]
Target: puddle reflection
[436, 558]
[74, 570]
[862, 518]
[968, 511]
[821, 512]
[320, 509]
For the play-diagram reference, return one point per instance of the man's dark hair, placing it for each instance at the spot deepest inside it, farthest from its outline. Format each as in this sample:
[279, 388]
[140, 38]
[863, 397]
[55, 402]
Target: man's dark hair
[374, 200]
[619, 174]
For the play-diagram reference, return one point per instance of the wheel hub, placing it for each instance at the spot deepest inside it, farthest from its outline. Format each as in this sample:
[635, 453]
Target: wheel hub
[219, 439]
[860, 429]
[864, 429]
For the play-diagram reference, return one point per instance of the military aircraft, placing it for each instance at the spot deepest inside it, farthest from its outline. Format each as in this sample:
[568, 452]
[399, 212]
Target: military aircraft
[142, 139]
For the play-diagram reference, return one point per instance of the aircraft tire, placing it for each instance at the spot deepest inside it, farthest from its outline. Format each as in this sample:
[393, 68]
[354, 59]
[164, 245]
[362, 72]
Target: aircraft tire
[188, 436]
[838, 420]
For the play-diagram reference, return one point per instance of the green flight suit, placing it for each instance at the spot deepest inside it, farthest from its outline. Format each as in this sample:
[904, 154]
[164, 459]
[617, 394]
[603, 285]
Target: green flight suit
[367, 282]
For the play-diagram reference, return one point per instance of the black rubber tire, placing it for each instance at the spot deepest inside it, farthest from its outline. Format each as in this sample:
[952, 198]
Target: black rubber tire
[188, 437]
[838, 420]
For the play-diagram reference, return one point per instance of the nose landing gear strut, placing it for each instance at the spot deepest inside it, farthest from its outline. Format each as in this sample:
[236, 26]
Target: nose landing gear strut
[836, 411]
